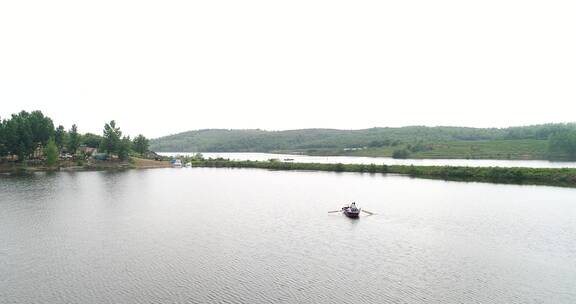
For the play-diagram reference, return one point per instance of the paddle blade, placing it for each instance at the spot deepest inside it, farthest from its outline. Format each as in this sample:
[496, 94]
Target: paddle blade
[371, 213]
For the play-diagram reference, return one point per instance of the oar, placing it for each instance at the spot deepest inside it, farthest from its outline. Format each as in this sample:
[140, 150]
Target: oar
[371, 213]
[334, 211]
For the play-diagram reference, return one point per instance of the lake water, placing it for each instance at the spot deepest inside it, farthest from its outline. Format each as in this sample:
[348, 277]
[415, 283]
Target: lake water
[206, 235]
[386, 160]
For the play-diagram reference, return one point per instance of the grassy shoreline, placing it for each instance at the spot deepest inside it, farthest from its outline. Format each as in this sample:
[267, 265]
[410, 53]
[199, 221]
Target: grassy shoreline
[478, 149]
[564, 177]
[133, 163]
[560, 177]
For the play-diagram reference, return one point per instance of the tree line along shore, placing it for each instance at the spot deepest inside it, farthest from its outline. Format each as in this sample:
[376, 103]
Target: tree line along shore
[30, 141]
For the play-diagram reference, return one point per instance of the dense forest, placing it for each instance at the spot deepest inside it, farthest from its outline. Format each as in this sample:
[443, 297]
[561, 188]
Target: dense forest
[33, 135]
[555, 141]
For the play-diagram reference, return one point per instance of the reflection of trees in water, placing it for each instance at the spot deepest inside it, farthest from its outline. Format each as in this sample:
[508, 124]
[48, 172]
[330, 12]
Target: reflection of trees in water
[117, 185]
[111, 184]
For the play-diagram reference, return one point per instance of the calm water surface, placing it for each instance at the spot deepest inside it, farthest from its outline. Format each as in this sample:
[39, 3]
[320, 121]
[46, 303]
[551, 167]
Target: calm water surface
[387, 160]
[207, 235]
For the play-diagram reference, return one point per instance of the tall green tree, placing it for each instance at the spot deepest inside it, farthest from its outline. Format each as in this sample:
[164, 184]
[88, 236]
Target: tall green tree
[73, 140]
[24, 132]
[51, 152]
[141, 144]
[60, 137]
[124, 148]
[91, 140]
[18, 135]
[3, 149]
[111, 138]
[41, 126]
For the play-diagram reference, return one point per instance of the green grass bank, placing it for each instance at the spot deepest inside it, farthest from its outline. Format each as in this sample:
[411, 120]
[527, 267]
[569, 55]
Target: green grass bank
[528, 176]
[525, 149]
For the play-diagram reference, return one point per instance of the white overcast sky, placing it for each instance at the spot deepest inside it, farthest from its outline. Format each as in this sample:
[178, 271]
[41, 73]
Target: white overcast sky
[162, 67]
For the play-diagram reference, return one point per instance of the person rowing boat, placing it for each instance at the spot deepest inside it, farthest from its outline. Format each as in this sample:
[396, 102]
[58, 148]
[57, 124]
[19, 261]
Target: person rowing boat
[351, 210]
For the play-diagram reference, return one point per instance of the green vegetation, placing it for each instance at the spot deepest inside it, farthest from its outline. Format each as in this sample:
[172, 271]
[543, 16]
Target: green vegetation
[60, 137]
[24, 133]
[562, 145]
[111, 141]
[73, 140]
[91, 140]
[51, 152]
[487, 149]
[141, 144]
[530, 142]
[27, 136]
[466, 149]
[400, 153]
[536, 176]
[124, 148]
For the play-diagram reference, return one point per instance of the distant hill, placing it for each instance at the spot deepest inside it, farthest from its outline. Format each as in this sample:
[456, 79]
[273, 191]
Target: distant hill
[418, 141]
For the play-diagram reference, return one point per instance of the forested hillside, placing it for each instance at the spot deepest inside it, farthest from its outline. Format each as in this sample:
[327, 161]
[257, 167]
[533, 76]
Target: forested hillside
[530, 142]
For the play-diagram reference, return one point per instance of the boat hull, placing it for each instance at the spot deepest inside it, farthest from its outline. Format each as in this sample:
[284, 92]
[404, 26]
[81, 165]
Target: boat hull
[351, 213]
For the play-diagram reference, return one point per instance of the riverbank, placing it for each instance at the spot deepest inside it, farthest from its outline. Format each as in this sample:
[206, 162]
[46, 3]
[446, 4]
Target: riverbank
[562, 177]
[92, 165]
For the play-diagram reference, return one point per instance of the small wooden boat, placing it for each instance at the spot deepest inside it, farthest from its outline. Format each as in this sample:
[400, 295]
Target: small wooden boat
[351, 210]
